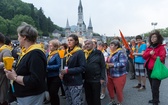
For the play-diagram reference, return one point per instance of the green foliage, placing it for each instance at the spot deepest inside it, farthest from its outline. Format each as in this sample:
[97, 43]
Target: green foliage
[163, 32]
[96, 34]
[13, 12]
[18, 19]
[3, 25]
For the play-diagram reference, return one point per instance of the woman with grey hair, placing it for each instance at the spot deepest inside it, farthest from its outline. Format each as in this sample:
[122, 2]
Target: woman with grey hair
[29, 77]
[116, 72]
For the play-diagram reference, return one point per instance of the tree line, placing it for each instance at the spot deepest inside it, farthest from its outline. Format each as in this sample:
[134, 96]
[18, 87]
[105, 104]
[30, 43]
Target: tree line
[13, 12]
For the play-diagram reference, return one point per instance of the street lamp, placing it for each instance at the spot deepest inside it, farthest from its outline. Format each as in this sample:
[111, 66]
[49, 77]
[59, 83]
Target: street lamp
[154, 24]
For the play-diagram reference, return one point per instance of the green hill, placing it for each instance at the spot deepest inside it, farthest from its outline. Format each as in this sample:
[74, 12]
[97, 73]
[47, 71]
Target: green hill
[13, 12]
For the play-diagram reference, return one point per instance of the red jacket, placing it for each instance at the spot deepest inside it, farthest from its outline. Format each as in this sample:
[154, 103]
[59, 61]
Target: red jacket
[150, 59]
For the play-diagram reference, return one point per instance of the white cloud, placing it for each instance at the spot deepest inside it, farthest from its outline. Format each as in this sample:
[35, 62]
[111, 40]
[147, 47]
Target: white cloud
[132, 17]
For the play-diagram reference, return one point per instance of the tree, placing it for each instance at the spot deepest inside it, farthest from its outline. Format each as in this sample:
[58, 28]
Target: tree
[18, 19]
[3, 25]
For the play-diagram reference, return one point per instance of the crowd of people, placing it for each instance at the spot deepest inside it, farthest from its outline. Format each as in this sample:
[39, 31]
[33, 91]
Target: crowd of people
[94, 66]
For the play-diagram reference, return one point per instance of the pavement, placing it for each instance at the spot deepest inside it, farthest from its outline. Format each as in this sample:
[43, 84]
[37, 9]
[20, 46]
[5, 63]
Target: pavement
[132, 96]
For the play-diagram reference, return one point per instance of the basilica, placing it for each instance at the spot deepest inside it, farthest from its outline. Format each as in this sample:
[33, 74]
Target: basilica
[80, 29]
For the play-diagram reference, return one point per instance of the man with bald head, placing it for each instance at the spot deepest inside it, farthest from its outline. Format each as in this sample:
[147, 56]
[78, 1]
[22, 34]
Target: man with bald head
[94, 74]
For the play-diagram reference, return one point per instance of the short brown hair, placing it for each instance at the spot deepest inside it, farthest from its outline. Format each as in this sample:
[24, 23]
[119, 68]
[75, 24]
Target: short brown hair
[27, 30]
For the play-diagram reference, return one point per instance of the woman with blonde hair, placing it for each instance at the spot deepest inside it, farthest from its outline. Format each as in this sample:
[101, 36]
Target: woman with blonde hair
[53, 66]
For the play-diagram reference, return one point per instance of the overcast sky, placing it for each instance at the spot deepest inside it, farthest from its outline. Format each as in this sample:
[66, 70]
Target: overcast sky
[132, 17]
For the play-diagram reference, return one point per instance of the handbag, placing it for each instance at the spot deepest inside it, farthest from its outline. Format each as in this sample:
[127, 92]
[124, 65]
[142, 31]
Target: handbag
[159, 70]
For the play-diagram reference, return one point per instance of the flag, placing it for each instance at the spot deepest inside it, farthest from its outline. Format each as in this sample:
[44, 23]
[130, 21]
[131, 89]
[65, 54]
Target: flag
[126, 45]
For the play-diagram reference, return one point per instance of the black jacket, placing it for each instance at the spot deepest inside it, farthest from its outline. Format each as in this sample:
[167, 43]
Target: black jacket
[33, 67]
[95, 67]
[76, 66]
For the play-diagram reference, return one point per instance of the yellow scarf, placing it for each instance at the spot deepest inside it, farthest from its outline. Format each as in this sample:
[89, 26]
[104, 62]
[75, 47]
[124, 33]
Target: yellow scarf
[22, 51]
[25, 51]
[87, 53]
[51, 54]
[111, 54]
[139, 44]
[69, 54]
[103, 51]
[5, 47]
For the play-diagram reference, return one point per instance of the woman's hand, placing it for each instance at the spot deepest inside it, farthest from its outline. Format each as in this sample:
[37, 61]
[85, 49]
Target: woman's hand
[110, 64]
[152, 52]
[61, 76]
[64, 71]
[10, 74]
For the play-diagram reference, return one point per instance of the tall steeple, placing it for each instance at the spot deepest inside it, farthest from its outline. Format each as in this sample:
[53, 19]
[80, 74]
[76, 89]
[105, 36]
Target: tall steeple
[80, 7]
[80, 24]
[80, 12]
[90, 29]
[90, 24]
[67, 29]
[67, 25]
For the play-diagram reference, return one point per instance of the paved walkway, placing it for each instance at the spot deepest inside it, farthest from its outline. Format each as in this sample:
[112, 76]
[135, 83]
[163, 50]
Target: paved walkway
[133, 97]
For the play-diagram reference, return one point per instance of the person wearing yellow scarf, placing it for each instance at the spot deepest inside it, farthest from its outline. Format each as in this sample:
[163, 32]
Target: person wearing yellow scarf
[94, 74]
[25, 51]
[5, 51]
[70, 53]
[114, 51]
[117, 72]
[87, 53]
[5, 47]
[74, 66]
[53, 70]
[51, 54]
[30, 74]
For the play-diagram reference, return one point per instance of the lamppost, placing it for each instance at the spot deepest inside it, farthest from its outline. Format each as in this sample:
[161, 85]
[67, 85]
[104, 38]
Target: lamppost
[154, 24]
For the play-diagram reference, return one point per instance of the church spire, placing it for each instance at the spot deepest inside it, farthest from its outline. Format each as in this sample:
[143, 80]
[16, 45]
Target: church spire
[67, 25]
[80, 12]
[90, 23]
[80, 5]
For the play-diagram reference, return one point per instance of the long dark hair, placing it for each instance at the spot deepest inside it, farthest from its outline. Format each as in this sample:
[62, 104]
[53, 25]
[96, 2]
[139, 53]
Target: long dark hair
[158, 35]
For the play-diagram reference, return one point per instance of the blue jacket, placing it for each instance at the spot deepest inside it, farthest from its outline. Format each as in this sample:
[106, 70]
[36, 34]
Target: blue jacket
[53, 65]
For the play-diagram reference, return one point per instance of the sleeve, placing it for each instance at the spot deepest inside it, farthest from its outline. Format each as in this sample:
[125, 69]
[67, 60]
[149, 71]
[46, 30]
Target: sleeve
[103, 67]
[144, 47]
[56, 65]
[5, 53]
[161, 54]
[146, 54]
[122, 62]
